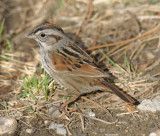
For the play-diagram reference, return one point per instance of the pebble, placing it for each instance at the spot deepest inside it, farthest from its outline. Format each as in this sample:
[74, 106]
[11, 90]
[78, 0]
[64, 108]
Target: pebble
[60, 129]
[30, 130]
[54, 111]
[8, 126]
[156, 133]
[153, 134]
[55, 125]
[46, 122]
[150, 105]
[90, 113]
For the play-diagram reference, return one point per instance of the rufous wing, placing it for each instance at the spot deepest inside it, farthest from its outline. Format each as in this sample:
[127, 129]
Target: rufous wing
[78, 67]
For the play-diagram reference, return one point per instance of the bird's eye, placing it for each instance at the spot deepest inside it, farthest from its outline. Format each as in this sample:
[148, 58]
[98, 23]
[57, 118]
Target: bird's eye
[43, 35]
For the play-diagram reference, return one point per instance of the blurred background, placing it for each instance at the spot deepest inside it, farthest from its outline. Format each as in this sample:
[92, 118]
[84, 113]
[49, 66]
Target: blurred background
[121, 35]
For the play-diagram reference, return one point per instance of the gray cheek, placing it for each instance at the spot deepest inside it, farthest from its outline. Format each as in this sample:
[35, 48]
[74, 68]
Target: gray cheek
[51, 41]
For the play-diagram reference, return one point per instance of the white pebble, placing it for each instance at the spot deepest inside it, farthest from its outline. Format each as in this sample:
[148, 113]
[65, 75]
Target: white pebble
[7, 126]
[156, 133]
[153, 134]
[46, 122]
[60, 129]
[54, 111]
[55, 125]
[156, 102]
[150, 105]
[90, 113]
[30, 131]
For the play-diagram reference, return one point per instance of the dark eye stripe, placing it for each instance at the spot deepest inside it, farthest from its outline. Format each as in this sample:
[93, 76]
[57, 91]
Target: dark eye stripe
[58, 38]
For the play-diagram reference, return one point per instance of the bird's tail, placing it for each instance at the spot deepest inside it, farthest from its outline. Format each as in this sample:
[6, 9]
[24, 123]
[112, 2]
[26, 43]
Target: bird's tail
[118, 92]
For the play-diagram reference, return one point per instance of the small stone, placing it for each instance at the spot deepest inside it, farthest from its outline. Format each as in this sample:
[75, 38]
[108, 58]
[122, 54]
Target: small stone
[54, 111]
[156, 103]
[30, 131]
[153, 134]
[61, 131]
[150, 105]
[90, 113]
[55, 125]
[147, 105]
[156, 133]
[46, 122]
[8, 126]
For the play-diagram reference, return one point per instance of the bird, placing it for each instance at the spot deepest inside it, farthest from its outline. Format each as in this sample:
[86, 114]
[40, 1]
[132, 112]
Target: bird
[70, 65]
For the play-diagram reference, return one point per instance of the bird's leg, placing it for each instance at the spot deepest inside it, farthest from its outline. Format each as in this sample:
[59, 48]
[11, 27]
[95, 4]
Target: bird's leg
[69, 101]
[62, 107]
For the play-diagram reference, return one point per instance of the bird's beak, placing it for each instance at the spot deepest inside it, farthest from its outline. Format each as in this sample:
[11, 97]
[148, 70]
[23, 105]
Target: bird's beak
[31, 35]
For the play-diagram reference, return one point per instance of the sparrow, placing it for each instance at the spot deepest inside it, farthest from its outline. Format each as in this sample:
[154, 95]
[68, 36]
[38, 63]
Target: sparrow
[71, 66]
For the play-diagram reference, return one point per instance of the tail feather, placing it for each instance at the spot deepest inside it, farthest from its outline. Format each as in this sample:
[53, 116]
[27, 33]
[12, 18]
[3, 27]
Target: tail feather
[118, 92]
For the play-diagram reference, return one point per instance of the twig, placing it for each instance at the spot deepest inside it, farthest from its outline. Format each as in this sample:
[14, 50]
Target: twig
[146, 90]
[153, 65]
[134, 51]
[122, 43]
[120, 55]
[82, 121]
[68, 127]
[26, 124]
[97, 119]
[87, 16]
[97, 105]
[69, 133]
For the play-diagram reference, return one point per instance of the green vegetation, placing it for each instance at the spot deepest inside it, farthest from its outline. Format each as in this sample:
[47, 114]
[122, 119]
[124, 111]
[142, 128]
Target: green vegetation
[8, 47]
[38, 84]
[59, 5]
[110, 60]
[1, 29]
[153, 1]
[5, 107]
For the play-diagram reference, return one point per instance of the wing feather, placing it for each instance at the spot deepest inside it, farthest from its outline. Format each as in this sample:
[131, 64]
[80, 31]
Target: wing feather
[74, 61]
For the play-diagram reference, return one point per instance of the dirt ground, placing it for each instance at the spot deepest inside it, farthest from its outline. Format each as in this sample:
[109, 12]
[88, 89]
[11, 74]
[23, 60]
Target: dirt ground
[126, 31]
